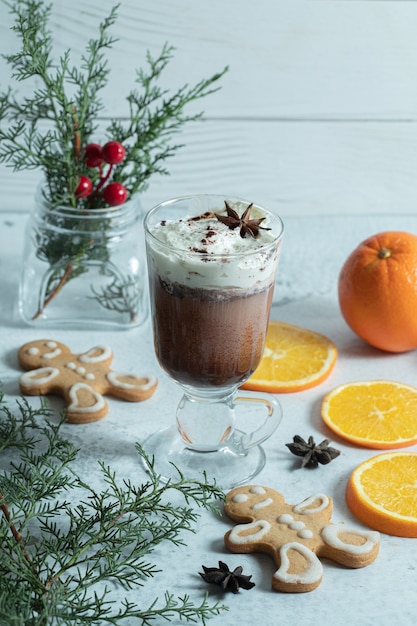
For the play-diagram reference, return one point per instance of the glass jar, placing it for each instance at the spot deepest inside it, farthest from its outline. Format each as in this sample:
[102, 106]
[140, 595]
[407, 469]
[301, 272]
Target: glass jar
[84, 268]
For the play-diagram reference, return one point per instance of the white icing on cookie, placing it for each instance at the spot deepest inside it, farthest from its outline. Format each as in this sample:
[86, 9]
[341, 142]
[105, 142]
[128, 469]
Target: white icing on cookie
[75, 406]
[113, 378]
[39, 376]
[262, 504]
[312, 574]
[51, 344]
[305, 533]
[53, 354]
[262, 526]
[240, 497]
[257, 490]
[330, 535]
[33, 350]
[92, 357]
[80, 370]
[305, 508]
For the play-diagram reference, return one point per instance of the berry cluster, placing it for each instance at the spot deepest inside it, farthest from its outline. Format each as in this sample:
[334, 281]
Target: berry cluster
[95, 156]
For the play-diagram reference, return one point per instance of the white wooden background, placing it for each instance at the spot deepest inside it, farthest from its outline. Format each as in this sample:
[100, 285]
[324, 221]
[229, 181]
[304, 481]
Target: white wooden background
[317, 115]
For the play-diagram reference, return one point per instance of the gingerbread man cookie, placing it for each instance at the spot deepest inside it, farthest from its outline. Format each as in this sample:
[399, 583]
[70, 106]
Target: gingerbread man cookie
[296, 536]
[81, 379]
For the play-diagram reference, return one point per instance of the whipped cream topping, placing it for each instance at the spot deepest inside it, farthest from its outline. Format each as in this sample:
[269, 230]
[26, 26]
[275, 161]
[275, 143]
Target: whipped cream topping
[208, 254]
[208, 236]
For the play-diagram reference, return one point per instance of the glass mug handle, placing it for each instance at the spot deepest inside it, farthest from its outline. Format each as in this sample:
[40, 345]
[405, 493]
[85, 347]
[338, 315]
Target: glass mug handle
[272, 420]
[207, 426]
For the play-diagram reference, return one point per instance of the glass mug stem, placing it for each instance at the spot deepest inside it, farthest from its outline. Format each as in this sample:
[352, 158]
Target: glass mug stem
[207, 424]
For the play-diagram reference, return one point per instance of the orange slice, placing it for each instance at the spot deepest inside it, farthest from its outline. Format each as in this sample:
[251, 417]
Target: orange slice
[382, 493]
[294, 359]
[374, 414]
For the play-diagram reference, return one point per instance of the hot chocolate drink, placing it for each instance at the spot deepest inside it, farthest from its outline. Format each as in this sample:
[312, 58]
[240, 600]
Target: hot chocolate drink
[211, 294]
[207, 336]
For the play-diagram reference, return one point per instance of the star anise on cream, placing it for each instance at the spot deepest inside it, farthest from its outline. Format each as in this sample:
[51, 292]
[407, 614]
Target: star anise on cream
[226, 579]
[244, 223]
[312, 453]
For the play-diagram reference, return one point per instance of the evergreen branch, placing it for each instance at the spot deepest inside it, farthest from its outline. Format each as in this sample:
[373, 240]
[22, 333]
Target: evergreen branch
[56, 554]
[53, 292]
[173, 607]
[121, 295]
[155, 115]
[58, 120]
[18, 431]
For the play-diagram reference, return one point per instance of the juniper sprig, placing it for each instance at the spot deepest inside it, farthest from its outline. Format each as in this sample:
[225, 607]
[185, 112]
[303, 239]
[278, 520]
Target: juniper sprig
[66, 547]
[51, 128]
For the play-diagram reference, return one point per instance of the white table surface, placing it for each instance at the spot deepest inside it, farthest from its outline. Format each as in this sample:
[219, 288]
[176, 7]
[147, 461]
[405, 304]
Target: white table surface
[313, 252]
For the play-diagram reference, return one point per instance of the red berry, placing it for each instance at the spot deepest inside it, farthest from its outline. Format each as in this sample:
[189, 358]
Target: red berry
[113, 152]
[85, 187]
[92, 155]
[115, 194]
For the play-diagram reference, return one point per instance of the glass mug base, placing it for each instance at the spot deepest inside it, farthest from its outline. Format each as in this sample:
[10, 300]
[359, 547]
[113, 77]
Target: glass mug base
[169, 455]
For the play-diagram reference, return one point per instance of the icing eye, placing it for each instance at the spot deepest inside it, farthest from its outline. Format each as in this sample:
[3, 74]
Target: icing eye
[51, 344]
[259, 491]
[33, 350]
[240, 497]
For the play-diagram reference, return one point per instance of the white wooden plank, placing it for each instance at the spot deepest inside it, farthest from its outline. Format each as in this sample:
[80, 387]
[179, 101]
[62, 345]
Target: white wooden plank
[303, 59]
[296, 168]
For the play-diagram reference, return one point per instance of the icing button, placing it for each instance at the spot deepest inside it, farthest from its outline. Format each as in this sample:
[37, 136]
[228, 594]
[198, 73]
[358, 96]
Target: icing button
[305, 533]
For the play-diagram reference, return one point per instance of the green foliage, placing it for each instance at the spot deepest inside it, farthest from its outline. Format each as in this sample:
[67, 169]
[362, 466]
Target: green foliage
[49, 129]
[66, 548]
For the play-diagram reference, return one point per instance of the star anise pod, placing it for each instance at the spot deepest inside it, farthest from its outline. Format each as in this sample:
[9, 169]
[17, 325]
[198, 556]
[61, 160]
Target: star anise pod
[244, 223]
[313, 453]
[226, 579]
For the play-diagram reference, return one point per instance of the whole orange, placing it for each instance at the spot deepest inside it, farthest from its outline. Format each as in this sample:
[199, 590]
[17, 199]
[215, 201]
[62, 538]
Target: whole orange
[378, 291]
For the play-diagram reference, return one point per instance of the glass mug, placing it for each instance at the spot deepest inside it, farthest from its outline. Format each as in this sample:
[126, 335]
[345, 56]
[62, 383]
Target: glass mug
[210, 310]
